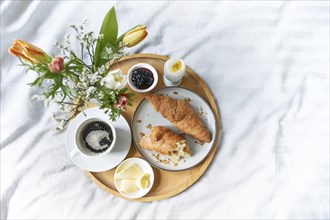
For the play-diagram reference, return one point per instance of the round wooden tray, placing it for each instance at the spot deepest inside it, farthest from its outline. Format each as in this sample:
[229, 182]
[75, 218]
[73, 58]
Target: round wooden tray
[166, 183]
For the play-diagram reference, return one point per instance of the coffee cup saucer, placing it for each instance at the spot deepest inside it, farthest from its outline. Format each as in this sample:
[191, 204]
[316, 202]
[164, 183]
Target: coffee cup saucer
[104, 162]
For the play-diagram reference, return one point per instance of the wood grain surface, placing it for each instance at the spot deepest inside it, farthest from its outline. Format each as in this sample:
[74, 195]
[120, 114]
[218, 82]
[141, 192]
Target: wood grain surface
[166, 183]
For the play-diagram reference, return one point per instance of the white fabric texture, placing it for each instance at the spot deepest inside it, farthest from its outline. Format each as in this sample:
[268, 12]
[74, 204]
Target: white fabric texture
[267, 64]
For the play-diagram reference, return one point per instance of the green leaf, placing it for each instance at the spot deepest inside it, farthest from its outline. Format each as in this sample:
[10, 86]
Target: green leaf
[68, 91]
[108, 56]
[58, 80]
[37, 82]
[123, 90]
[130, 94]
[109, 30]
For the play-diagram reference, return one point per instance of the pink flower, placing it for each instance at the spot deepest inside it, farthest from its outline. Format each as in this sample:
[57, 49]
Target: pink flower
[122, 102]
[57, 65]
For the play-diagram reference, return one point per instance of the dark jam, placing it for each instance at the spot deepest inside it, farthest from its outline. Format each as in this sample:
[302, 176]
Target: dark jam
[102, 142]
[142, 78]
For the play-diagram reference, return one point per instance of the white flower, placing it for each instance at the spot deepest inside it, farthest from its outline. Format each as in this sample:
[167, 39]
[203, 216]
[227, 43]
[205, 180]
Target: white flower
[90, 91]
[61, 124]
[100, 95]
[67, 108]
[109, 50]
[46, 103]
[67, 39]
[84, 74]
[54, 119]
[93, 78]
[82, 86]
[114, 80]
[39, 97]
[64, 107]
[101, 70]
[46, 100]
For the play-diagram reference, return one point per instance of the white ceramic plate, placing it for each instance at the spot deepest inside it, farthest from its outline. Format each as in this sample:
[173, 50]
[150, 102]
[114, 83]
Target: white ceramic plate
[145, 115]
[105, 162]
[146, 168]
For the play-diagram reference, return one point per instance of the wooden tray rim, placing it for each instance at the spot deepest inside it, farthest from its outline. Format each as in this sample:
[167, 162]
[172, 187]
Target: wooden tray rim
[206, 161]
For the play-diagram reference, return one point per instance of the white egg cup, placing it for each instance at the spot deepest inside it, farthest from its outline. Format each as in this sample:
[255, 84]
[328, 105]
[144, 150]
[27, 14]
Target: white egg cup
[175, 79]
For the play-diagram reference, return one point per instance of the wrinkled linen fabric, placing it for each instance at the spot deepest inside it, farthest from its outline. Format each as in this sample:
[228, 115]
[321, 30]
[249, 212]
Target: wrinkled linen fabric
[267, 64]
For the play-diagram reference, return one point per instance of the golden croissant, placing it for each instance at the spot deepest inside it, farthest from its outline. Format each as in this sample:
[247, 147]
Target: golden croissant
[165, 141]
[181, 115]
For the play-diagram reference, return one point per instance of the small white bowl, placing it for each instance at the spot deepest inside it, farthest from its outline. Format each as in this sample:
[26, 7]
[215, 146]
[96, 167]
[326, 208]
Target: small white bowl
[145, 167]
[142, 65]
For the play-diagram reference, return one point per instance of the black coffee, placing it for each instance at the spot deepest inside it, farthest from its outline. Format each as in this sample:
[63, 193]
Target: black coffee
[97, 136]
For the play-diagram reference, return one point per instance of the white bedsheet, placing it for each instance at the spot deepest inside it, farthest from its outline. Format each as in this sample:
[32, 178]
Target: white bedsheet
[267, 65]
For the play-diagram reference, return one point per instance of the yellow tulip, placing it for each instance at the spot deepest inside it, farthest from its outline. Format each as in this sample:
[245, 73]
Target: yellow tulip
[27, 52]
[135, 36]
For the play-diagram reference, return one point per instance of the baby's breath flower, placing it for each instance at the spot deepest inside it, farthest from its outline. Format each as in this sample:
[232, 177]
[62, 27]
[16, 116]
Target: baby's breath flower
[107, 65]
[67, 38]
[46, 103]
[81, 108]
[56, 43]
[90, 92]
[67, 108]
[81, 80]
[101, 70]
[72, 25]
[64, 107]
[39, 97]
[100, 95]
[93, 78]
[83, 23]
[61, 124]
[108, 50]
[54, 118]
[84, 85]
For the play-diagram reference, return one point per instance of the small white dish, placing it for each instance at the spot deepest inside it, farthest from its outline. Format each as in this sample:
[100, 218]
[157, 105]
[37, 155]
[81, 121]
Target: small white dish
[142, 65]
[145, 167]
[109, 160]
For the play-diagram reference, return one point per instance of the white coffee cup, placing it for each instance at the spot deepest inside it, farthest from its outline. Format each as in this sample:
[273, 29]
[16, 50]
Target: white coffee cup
[81, 148]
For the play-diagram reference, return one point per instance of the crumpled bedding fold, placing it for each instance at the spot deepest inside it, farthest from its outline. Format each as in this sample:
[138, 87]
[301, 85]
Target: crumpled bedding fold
[267, 64]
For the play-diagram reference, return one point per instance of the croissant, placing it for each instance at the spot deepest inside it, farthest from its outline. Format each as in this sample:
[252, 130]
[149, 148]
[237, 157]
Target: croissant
[165, 141]
[181, 115]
